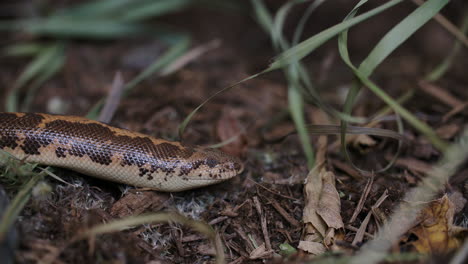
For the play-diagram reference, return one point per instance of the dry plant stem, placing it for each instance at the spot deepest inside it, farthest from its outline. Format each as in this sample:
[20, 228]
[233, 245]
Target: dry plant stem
[263, 222]
[414, 164]
[444, 22]
[190, 56]
[454, 111]
[218, 220]
[404, 216]
[384, 111]
[440, 94]
[352, 228]
[113, 99]
[271, 191]
[362, 229]
[283, 213]
[363, 198]
[348, 169]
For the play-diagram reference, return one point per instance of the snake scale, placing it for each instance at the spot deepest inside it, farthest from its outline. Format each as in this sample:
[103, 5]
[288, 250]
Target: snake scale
[111, 153]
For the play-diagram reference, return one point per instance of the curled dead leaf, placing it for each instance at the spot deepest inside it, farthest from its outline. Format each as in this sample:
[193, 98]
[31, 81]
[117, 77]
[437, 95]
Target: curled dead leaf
[435, 231]
[229, 129]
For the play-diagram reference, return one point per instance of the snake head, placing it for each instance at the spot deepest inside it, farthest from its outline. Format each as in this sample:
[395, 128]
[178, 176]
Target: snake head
[209, 166]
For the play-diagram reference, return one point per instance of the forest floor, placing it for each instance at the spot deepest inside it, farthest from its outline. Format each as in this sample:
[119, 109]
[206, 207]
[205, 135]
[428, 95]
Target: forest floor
[258, 214]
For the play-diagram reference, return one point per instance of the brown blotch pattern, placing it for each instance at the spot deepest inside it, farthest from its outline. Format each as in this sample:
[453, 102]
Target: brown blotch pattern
[99, 142]
[13, 124]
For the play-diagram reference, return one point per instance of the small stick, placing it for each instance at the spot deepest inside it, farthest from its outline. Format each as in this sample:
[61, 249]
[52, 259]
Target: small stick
[263, 221]
[363, 198]
[283, 213]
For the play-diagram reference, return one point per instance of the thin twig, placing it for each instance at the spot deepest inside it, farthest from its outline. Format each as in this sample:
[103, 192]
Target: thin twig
[113, 99]
[263, 222]
[362, 229]
[363, 198]
[449, 26]
[283, 213]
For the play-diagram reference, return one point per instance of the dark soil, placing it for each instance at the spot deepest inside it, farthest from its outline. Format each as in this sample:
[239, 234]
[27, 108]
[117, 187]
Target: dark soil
[274, 173]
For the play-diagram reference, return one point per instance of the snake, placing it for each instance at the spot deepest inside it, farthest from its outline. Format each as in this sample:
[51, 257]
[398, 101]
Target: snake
[114, 154]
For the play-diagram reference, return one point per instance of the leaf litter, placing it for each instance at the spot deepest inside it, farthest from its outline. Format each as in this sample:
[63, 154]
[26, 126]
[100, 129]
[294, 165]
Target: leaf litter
[337, 210]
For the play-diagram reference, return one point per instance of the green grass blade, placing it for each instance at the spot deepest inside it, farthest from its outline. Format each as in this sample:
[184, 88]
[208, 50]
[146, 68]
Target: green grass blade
[17, 204]
[32, 70]
[294, 72]
[385, 46]
[303, 20]
[95, 28]
[307, 46]
[442, 68]
[186, 121]
[180, 47]
[23, 49]
[400, 33]
[262, 15]
[296, 107]
[131, 221]
[102, 8]
[55, 65]
[161, 62]
[410, 118]
[152, 9]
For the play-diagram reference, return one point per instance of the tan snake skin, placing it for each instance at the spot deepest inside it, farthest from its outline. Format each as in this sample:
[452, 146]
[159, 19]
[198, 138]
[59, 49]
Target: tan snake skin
[111, 153]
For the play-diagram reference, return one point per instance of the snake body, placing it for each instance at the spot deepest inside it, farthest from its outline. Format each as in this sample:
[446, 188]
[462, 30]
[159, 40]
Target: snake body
[111, 153]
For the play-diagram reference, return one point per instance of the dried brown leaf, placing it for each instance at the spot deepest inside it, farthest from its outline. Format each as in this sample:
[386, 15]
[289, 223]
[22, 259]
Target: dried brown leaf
[230, 129]
[260, 252]
[434, 231]
[313, 189]
[134, 203]
[329, 205]
[313, 248]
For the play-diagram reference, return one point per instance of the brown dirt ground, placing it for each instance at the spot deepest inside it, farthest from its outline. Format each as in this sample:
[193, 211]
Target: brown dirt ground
[274, 172]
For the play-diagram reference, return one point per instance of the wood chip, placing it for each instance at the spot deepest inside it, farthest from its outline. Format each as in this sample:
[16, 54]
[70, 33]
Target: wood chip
[136, 202]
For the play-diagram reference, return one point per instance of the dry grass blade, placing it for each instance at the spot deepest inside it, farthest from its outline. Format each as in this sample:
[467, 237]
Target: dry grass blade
[190, 56]
[448, 26]
[113, 99]
[363, 198]
[17, 204]
[440, 94]
[129, 222]
[405, 215]
[361, 231]
[461, 255]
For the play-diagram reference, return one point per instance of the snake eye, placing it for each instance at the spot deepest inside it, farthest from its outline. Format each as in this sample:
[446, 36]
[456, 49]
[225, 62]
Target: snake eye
[239, 167]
